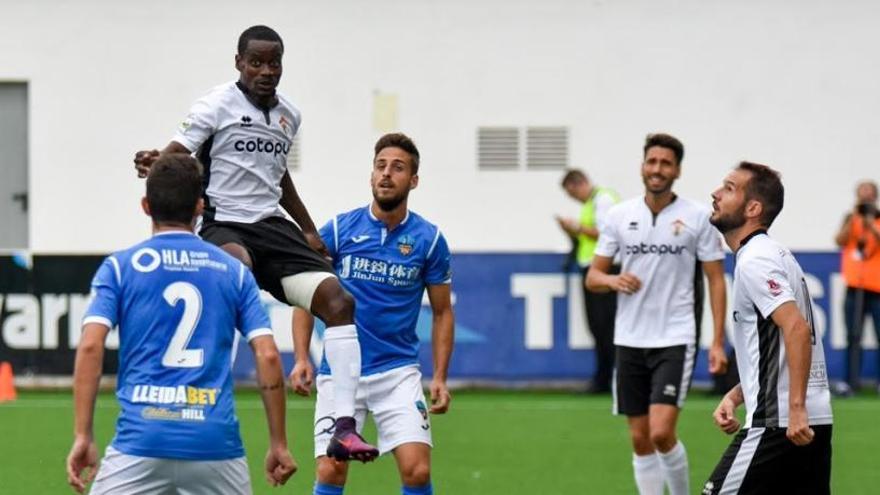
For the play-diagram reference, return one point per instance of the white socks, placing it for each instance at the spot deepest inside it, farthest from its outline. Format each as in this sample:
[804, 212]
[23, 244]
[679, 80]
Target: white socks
[675, 469]
[343, 354]
[649, 476]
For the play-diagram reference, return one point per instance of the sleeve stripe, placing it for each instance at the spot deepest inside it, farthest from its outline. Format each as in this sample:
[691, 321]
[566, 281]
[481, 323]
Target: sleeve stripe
[335, 234]
[116, 269]
[99, 320]
[241, 277]
[258, 332]
[434, 244]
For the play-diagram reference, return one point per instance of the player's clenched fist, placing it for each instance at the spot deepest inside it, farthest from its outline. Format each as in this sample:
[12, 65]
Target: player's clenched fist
[280, 465]
[799, 431]
[143, 160]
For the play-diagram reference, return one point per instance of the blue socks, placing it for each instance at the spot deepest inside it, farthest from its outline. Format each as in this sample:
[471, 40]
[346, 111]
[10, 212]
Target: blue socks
[323, 489]
[417, 490]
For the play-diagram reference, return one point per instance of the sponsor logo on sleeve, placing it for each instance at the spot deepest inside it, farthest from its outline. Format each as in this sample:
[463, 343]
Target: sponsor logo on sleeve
[186, 124]
[774, 288]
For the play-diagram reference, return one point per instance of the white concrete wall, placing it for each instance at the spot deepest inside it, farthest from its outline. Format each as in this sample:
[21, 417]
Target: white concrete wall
[791, 84]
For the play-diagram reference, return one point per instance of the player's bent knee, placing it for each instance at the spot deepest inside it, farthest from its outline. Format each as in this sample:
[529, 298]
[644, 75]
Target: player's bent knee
[331, 472]
[416, 474]
[334, 307]
[663, 439]
[642, 445]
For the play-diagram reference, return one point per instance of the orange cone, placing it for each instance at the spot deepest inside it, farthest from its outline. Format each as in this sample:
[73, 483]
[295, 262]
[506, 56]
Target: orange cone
[7, 383]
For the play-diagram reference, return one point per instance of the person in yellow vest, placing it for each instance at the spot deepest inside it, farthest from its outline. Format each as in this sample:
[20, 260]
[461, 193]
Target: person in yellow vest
[859, 239]
[600, 308]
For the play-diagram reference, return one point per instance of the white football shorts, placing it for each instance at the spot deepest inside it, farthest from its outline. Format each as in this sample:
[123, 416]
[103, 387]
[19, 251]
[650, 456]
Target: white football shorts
[394, 398]
[136, 475]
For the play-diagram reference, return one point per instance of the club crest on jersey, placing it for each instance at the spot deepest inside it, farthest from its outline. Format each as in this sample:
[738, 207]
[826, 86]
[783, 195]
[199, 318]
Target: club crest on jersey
[677, 227]
[774, 287]
[285, 125]
[405, 244]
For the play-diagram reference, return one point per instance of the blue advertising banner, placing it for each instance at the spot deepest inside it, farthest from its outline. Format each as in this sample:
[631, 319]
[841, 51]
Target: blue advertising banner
[519, 317]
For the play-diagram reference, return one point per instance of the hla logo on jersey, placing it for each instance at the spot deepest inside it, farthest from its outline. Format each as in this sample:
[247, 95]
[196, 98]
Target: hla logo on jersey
[774, 287]
[147, 259]
[654, 249]
[260, 146]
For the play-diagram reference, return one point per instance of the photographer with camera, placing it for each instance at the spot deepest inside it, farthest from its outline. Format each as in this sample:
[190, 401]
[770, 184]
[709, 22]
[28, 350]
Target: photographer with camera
[859, 239]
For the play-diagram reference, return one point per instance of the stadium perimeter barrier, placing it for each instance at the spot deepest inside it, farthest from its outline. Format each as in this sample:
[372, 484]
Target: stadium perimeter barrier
[519, 320]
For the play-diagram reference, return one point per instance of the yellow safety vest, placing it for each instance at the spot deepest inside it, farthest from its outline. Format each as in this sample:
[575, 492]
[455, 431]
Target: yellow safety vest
[587, 245]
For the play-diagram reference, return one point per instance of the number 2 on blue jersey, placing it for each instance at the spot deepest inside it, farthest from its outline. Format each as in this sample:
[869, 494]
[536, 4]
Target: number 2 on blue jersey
[177, 355]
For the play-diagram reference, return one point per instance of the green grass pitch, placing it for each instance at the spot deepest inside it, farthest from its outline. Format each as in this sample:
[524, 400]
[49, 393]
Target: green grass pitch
[490, 443]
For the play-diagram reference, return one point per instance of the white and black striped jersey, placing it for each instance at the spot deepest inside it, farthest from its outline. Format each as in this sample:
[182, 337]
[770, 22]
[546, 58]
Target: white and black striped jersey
[662, 251]
[766, 276]
[243, 149]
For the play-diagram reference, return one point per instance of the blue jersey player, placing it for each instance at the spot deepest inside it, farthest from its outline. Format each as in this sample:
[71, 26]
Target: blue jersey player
[177, 301]
[385, 256]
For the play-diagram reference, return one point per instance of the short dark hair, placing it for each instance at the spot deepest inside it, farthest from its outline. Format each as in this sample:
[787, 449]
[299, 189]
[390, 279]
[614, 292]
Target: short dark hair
[573, 176]
[402, 141]
[174, 187]
[765, 187]
[664, 141]
[259, 33]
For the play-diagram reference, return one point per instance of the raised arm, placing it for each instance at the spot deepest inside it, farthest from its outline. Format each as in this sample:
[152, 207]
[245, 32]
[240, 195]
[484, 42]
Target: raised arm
[279, 465]
[798, 335]
[714, 271]
[82, 461]
[303, 373]
[442, 341]
[144, 159]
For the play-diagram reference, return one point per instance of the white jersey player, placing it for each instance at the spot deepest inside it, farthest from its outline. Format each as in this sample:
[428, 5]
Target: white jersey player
[785, 445]
[242, 132]
[661, 239]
